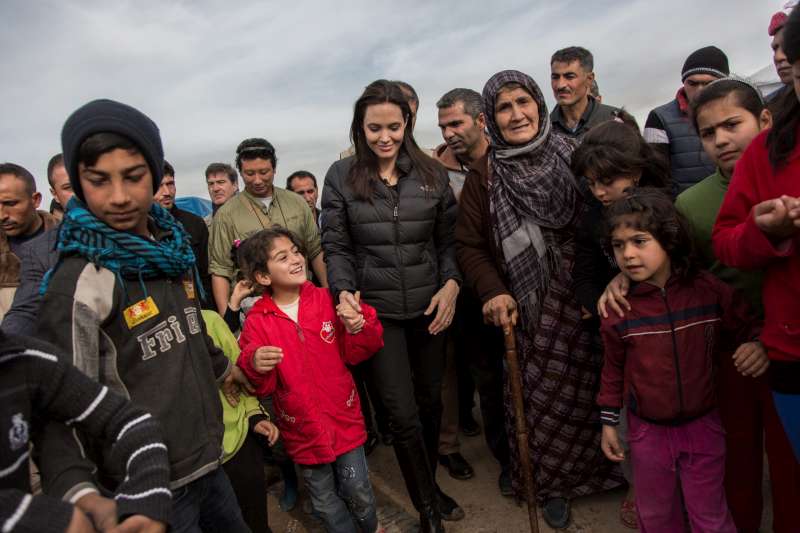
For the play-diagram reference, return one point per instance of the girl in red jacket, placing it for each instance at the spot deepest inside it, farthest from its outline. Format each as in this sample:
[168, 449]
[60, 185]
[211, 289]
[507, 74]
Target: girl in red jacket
[758, 228]
[294, 346]
[659, 363]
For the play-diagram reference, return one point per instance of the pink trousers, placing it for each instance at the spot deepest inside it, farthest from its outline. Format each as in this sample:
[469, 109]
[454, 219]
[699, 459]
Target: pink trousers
[668, 460]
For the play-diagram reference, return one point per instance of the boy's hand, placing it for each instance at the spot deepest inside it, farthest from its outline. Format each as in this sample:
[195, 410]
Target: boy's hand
[102, 511]
[614, 296]
[349, 311]
[751, 359]
[269, 430]
[777, 217]
[140, 524]
[241, 290]
[79, 523]
[267, 358]
[233, 385]
[610, 444]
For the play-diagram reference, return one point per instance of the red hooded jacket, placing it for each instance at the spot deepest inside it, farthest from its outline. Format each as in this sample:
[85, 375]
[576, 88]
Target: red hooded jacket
[315, 399]
[660, 357]
[739, 243]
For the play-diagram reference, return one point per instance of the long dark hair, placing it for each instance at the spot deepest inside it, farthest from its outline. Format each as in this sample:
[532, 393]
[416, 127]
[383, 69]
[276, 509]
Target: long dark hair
[783, 136]
[652, 210]
[364, 172]
[616, 148]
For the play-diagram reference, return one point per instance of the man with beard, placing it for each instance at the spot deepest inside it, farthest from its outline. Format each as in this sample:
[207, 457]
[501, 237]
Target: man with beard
[19, 222]
[462, 123]
[195, 227]
[37, 256]
[572, 77]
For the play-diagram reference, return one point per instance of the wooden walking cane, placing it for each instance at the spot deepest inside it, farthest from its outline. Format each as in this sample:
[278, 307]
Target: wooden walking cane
[522, 429]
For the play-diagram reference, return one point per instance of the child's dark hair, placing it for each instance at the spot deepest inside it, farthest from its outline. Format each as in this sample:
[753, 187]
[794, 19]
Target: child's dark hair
[652, 210]
[101, 143]
[746, 95]
[253, 252]
[616, 148]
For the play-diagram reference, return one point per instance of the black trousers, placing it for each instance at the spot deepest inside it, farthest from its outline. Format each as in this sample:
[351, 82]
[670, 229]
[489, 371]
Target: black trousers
[480, 347]
[407, 375]
[246, 472]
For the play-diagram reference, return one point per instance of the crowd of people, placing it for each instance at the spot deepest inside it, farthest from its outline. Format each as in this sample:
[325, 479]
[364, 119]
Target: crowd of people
[154, 361]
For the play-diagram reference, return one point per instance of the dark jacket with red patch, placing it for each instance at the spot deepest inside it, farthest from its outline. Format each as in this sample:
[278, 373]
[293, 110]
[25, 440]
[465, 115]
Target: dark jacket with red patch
[660, 358]
[315, 398]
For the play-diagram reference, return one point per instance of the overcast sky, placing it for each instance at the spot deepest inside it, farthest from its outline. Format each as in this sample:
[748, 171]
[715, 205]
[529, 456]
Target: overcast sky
[213, 73]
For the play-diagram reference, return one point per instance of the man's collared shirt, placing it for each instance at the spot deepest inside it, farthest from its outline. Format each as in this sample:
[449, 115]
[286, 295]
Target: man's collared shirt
[244, 214]
[594, 114]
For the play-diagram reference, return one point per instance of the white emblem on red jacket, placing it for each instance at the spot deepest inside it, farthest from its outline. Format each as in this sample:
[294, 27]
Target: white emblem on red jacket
[327, 332]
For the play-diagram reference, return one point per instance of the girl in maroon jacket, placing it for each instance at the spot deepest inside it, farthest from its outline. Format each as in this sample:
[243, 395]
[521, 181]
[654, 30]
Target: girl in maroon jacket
[294, 346]
[659, 363]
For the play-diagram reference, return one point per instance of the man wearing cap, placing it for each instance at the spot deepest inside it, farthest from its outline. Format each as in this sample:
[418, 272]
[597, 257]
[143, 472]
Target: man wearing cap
[669, 128]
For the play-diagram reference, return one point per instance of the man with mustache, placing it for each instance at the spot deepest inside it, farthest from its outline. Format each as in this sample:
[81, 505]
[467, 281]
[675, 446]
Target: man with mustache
[195, 227]
[571, 77]
[477, 349]
[19, 222]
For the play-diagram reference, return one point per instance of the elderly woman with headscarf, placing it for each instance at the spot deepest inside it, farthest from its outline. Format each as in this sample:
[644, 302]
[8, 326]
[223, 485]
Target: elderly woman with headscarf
[516, 244]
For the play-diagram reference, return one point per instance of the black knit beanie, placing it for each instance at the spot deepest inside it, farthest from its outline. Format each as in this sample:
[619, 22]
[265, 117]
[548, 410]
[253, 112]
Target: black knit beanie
[108, 116]
[708, 60]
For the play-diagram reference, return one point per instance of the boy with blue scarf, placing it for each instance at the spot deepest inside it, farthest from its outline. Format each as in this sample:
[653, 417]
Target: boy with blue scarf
[124, 300]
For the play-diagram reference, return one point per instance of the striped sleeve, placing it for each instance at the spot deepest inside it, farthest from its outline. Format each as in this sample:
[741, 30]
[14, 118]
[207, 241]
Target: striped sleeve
[612, 381]
[23, 512]
[62, 392]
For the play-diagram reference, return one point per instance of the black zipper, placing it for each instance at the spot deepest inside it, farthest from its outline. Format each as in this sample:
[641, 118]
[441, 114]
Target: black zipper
[396, 221]
[674, 354]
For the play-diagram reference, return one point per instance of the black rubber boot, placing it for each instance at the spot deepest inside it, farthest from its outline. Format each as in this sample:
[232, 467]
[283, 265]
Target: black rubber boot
[431, 423]
[421, 487]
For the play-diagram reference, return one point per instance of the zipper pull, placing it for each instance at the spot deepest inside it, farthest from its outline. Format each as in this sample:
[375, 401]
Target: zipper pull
[395, 212]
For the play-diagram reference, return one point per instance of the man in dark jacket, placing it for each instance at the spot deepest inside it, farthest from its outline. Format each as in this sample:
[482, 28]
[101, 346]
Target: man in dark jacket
[571, 77]
[36, 257]
[195, 227]
[669, 128]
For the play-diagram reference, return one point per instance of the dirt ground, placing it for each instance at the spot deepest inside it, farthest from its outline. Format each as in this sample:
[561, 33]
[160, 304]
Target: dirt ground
[486, 510]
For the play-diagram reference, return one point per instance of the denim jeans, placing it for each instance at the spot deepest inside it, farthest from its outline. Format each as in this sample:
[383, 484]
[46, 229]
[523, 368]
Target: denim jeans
[341, 493]
[207, 504]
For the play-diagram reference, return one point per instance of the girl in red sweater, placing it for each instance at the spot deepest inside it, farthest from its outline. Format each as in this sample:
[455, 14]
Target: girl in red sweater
[294, 346]
[758, 228]
[659, 363]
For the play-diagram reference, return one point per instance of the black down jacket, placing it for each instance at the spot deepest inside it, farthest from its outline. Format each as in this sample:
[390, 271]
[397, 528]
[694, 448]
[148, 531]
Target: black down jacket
[398, 250]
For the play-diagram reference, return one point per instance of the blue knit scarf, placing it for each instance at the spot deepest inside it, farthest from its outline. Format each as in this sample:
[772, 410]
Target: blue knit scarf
[127, 255]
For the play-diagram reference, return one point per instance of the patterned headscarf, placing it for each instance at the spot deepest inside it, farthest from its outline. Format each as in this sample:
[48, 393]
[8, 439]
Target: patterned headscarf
[532, 192]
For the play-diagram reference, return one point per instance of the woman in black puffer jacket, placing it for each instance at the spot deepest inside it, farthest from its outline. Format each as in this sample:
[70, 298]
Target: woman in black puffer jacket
[388, 220]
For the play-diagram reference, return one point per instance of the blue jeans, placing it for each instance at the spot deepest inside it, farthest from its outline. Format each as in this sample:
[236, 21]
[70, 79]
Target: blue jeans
[207, 504]
[341, 493]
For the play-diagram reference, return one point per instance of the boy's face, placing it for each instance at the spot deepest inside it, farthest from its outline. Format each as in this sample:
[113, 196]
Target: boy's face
[286, 266]
[118, 190]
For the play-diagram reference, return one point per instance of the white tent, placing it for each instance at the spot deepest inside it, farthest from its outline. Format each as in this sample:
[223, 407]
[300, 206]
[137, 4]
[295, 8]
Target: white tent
[766, 79]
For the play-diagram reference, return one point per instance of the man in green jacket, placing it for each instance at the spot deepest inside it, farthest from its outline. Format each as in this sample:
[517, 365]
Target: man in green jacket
[259, 206]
